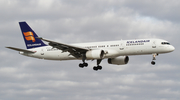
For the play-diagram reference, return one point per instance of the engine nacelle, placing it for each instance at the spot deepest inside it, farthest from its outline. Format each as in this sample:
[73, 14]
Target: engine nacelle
[122, 60]
[95, 54]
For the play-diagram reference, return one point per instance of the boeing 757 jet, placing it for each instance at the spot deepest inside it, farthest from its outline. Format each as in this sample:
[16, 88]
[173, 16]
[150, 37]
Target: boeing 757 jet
[116, 52]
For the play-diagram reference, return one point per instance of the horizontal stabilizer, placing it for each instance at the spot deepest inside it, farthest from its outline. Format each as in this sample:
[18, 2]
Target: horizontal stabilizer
[18, 49]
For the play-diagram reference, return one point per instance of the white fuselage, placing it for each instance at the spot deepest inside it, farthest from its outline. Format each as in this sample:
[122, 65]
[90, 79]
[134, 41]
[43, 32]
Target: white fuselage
[112, 49]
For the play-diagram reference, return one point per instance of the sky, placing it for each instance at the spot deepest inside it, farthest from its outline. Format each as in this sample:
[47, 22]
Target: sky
[76, 21]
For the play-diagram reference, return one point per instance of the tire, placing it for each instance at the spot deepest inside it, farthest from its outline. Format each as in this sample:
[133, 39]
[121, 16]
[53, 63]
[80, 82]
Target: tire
[95, 68]
[81, 65]
[153, 63]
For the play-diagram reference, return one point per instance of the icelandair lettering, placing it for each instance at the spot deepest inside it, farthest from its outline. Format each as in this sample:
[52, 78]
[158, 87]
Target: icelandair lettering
[139, 41]
[30, 45]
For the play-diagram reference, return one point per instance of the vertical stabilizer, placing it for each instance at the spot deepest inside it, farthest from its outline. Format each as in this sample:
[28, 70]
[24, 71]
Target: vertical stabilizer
[30, 36]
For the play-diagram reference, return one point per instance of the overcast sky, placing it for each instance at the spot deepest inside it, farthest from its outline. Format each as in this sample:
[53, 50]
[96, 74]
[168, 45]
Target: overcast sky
[75, 21]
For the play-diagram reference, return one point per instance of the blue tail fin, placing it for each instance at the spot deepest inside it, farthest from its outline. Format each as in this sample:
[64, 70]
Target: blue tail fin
[30, 36]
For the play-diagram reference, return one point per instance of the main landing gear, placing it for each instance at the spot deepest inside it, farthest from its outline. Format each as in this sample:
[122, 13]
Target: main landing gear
[96, 68]
[154, 58]
[84, 64]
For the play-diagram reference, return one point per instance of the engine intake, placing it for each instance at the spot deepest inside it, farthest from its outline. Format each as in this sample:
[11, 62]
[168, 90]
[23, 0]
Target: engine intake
[122, 60]
[95, 54]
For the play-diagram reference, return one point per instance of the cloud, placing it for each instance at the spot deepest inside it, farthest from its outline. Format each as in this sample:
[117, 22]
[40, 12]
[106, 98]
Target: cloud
[164, 10]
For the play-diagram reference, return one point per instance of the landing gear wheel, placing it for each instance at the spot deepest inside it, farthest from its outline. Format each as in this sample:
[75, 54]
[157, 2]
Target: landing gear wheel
[153, 63]
[95, 68]
[99, 67]
[85, 64]
[81, 65]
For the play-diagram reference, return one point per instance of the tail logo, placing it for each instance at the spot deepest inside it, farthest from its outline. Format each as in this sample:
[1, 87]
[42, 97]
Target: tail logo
[29, 36]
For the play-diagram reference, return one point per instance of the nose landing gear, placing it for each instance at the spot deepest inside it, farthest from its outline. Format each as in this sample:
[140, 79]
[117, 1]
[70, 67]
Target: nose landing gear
[153, 62]
[154, 58]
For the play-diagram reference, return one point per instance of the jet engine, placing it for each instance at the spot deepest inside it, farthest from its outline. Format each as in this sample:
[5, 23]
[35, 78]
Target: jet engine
[95, 54]
[122, 60]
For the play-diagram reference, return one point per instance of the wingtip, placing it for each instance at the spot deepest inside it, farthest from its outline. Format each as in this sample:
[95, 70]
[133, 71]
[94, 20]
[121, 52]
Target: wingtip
[39, 37]
[8, 47]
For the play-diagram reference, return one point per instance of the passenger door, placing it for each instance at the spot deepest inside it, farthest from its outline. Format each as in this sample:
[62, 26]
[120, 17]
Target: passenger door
[154, 44]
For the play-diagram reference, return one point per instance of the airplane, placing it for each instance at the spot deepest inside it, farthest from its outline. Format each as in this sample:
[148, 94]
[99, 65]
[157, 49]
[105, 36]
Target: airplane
[116, 52]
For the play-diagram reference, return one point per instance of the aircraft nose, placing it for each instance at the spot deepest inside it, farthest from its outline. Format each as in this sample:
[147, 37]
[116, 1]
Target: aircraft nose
[171, 48]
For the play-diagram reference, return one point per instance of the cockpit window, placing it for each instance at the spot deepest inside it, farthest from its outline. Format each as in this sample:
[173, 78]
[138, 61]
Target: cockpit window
[165, 43]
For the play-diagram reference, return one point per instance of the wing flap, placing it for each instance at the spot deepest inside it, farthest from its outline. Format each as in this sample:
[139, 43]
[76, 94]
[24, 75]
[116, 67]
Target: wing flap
[73, 50]
[62, 45]
[18, 49]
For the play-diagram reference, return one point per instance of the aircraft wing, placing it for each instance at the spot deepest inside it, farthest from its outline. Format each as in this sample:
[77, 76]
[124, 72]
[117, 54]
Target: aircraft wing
[73, 50]
[18, 49]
